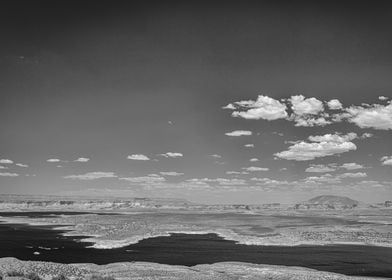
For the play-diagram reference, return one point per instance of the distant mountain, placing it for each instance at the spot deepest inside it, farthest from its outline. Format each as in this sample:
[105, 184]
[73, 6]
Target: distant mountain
[329, 202]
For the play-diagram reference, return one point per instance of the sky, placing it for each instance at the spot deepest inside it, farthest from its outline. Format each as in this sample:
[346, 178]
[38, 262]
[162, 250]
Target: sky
[242, 102]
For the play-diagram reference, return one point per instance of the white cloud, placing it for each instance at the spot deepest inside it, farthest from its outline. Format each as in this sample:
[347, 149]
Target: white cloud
[6, 161]
[353, 175]
[170, 173]
[255, 168]
[239, 133]
[325, 178]
[92, 176]
[172, 155]
[254, 159]
[264, 107]
[352, 166]
[371, 116]
[21, 165]
[138, 157]
[233, 172]
[53, 160]
[320, 168]
[334, 104]
[249, 145]
[220, 181]
[383, 98]
[216, 156]
[8, 174]
[306, 106]
[82, 159]
[3, 167]
[386, 160]
[320, 146]
[149, 179]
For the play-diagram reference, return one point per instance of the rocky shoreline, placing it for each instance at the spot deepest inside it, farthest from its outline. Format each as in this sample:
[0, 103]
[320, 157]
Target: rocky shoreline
[154, 271]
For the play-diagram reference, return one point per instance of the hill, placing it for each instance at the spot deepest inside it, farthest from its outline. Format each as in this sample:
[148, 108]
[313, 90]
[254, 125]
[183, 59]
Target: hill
[329, 202]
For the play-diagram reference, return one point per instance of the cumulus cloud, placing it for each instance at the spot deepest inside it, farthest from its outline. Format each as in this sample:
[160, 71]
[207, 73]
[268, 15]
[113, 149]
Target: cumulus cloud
[92, 176]
[82, 159]
[320, 168]
[320, 146]
[249, 145]
[353, 175]
[334, 104]
[53, 160]
[237, 133]
[255, 168]
[172, 155]
[138, 157]
[254, 159]
[6, 161]
[171, 173]
[3, 167]
[325, 178]
[220, 181]
[352, 166]
[309, 112]
[386, 160]
[8, 174]
[233, 172]
[264, 107]
[216, 156]
[306, 106]
[21, 165]
[149, 179]
[371, 116]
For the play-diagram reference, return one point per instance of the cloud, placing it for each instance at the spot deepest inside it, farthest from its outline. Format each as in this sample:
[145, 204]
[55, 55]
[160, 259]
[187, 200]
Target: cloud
[325, 178]
[254, 159]
[149, 179]
[306, 106]
[170, 173]
[255, 168]
[138, 157]
[264, 107]
[353, 175]
[233, 172]
[53, 160]
[249, 145]
[172, 155]
[21, 165]
[386, 160]
[239, 133]
[8, 174]
[320, 168]
[3, 167]
[82, 159]
[370, 116]
[320, 146]
[216, 156]
[6, 161]
[220, 181]
[309, 112]
[352, 166]
[334, 104]
[92, 176]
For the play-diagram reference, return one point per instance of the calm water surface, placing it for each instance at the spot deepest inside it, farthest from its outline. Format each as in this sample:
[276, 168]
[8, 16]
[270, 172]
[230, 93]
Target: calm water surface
[46, 244]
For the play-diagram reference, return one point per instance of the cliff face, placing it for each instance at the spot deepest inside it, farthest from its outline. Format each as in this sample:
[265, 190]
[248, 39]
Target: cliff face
[8, 203]
[144, 270]
[329, 202]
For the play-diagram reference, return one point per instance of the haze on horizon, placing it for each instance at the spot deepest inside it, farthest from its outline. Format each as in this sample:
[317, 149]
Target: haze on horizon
[247, 102]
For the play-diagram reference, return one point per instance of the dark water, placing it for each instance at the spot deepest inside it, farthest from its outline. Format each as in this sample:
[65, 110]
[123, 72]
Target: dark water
[21, 241]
